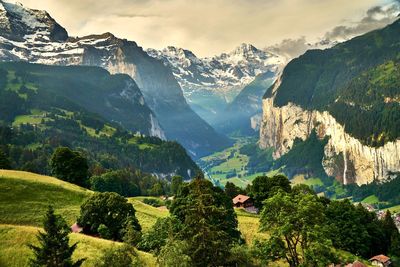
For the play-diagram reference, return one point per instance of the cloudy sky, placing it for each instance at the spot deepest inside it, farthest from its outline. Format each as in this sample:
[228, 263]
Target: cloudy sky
[210, 27]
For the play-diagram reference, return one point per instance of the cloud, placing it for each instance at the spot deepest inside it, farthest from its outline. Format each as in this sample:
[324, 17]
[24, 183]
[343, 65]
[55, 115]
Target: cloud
[207, 27]
[376, 17]
[290, 47]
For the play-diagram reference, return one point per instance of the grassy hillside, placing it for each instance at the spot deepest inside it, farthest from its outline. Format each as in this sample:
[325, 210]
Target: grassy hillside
[14, 252]
[24, 198]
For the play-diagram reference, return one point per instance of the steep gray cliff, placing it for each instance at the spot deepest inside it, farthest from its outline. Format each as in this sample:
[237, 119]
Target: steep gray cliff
[345, 157]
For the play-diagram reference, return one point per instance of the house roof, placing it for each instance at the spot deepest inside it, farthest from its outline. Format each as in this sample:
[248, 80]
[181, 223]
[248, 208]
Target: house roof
[240, 199]
[75, 228]
[358, 264]
[381, 258]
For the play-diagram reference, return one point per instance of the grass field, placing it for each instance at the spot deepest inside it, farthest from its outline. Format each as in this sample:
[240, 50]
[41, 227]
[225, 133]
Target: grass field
[147, 215]
[394, 209]
[248, 226]
[24, 198]
[370, 200]
[14, 252]
[228, 162]
[299, 179]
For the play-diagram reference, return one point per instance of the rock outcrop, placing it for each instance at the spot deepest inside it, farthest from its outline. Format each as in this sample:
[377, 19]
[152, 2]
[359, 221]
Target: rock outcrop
[346, 158]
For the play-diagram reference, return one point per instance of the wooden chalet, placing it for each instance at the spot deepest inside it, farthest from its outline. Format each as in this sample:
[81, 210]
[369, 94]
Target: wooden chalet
[380, 260]
[242, 201]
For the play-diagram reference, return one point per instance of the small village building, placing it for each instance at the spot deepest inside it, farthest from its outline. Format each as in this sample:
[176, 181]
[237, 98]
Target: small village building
[380, 260]
[75, 228]
[358, 264]
[242, 201]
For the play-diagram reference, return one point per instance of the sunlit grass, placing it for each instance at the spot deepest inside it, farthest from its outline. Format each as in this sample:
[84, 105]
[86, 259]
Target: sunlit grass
[14, 250]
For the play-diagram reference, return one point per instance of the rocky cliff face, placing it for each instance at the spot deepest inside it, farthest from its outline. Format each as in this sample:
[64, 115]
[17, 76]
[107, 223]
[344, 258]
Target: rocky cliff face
[346, 158]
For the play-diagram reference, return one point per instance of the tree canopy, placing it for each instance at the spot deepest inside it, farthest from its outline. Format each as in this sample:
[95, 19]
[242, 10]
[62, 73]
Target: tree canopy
[264, 187]
[107, 214]
[69, 165]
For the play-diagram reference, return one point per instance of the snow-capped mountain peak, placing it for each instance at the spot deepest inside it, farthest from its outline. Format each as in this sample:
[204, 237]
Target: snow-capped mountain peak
[225, 72]
[18, 23]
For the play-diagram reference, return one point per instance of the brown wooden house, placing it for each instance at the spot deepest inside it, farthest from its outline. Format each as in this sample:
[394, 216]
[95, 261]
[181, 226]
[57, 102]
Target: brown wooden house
[380, 260]
[242, 201]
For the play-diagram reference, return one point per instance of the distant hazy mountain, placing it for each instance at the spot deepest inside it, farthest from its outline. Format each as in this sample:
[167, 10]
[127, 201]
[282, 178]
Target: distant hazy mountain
[33, 36]
[209, 84]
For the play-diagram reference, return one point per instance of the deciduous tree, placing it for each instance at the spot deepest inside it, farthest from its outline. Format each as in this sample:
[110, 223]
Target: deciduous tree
[108, 213]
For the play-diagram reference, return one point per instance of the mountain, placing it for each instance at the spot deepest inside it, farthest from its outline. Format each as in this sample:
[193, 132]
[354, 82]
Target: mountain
[43, 107]
[243, 113]
[349, 94]
[209, 84]
[33, 36]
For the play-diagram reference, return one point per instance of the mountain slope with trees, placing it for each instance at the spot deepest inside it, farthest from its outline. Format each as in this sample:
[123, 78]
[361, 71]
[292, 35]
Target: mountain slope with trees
[44, 107]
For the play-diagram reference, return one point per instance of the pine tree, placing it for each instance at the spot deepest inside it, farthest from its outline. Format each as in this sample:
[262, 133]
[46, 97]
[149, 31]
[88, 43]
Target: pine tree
[54, 250]
[4, 161]
[209, 222]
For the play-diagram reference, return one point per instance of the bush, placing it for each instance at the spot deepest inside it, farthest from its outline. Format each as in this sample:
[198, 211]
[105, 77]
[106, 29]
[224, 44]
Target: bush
[152, 202]
[157, 237]
[124, 256]
[107, 214]
[173, 255]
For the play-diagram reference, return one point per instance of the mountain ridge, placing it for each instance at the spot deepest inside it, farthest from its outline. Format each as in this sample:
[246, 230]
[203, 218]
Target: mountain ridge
[159, 87]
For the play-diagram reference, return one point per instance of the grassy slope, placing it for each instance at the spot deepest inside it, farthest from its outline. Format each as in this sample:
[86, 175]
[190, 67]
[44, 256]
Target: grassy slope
[371, 199]
[146, 214]
[14, 252]
[24, 197]
[236, 163]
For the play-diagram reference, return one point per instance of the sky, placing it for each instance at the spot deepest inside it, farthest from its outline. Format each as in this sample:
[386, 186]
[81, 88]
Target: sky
[210, 27]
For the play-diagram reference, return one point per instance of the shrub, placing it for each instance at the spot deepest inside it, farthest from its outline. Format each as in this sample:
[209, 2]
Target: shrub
[107, 214]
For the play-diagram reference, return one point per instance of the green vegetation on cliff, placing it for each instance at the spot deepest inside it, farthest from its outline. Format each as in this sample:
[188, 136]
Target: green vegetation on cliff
[356, 81]
[84, 108]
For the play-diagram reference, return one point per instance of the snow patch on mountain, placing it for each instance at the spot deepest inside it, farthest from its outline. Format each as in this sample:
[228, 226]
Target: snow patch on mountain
[222, 73]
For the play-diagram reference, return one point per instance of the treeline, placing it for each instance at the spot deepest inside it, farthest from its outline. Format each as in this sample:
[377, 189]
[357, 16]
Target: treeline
[29, 148]
[385, 191]
[305, 158]
[73, 167]
[64, 106]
